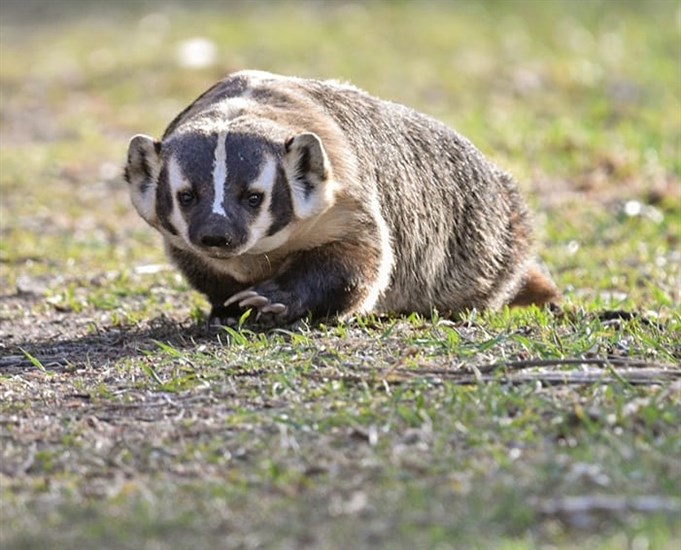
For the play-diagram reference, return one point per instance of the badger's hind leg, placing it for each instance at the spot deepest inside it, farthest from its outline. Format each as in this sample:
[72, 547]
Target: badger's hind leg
[536, 287]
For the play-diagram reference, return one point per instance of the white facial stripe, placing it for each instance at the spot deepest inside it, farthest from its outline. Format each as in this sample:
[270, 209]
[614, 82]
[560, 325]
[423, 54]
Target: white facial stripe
[259, 242]
[176, 178]
[177, 182]
[259, 228]
[263, 184]
[220, 175]
[265, 180]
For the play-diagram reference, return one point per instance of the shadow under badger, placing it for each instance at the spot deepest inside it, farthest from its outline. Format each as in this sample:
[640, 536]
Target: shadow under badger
[301, 197]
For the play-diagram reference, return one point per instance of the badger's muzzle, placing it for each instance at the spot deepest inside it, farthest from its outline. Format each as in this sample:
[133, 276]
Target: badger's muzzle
[219, 241]
[215, 234]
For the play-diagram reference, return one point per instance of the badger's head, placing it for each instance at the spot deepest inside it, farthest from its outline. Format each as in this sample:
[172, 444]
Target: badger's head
[227, 193]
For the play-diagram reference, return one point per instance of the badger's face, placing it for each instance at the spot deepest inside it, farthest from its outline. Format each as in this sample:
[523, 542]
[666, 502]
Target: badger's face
[225, 194]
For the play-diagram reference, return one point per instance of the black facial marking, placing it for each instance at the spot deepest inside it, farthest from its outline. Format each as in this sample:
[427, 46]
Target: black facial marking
[281, 207]
[164, 202]
[244, 159]
[196, 157]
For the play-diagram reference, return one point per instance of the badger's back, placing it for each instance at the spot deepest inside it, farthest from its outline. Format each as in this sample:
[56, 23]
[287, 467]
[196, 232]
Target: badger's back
[459, 229]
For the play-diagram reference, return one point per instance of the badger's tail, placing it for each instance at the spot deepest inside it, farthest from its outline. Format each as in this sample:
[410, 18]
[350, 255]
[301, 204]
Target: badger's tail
[536, 287]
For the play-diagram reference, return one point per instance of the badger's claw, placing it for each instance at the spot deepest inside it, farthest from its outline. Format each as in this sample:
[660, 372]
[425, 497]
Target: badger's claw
[273, 308]
[243, 295]
[216, 322]
[262, 304]
[255, 301]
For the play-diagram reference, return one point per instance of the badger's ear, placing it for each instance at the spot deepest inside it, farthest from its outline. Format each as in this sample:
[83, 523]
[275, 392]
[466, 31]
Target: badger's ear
[141, 173]
[308, 171]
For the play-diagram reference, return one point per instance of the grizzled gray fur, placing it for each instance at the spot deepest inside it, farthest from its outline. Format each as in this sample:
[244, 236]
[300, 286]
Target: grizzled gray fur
[300, 197]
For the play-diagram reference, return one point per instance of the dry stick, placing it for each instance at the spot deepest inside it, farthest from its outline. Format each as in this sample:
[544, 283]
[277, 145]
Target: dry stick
[553, 379]
[532, 363]
[609, 504]
[618, 361]
[646, 372]
[546, 378]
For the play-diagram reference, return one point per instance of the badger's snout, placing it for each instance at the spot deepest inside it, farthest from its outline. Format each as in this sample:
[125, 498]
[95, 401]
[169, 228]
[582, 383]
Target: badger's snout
[215, 240]
[214, 232]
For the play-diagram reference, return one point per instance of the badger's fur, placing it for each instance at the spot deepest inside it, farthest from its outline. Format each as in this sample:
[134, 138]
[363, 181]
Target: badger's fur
[301, 197]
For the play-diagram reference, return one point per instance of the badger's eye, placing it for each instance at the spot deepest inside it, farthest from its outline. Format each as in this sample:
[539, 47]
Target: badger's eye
[254, 199]
[185, 198]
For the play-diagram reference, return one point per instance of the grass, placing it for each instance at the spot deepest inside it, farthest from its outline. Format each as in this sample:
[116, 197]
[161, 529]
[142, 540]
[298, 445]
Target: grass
[125, 423]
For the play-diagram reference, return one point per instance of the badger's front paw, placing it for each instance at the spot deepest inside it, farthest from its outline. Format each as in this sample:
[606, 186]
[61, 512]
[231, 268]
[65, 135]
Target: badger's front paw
[221, 316]
[268, 310]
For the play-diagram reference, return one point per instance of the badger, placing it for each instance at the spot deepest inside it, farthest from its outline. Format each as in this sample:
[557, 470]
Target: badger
[295, 197]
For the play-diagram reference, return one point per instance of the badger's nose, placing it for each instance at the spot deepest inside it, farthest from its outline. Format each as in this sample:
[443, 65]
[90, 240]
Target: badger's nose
[215, 240]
